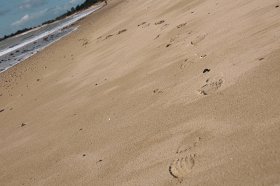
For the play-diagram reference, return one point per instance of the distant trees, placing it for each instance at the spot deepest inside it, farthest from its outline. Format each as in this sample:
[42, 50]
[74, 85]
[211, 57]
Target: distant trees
[16, 33]
[83, 6]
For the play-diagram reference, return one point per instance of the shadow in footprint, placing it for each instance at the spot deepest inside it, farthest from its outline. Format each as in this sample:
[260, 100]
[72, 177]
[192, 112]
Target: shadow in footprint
[144, 25]
[159, 22]
[181, 167]
[198, 39]
[157, 37]
[157, 91]
[181, 25]
[121, 31]
[108, 36]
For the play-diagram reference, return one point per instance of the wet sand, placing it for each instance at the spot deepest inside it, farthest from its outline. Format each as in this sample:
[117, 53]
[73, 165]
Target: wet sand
[146, 92]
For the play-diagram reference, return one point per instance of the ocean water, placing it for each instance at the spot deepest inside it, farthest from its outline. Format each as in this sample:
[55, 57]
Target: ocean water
[18, 48]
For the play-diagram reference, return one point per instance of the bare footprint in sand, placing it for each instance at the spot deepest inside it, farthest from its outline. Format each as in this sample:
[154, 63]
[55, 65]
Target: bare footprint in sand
[198, 39]
[188, 145]
[170, 42]
[181, 25]
[185, 63]
[141, 24]
[157, 37]
[203, 56]
[84, 42]
[159, 22]
[212, 85]
[157, 91]
[164, 26]
[144, 25]
[121, 31]
[108, 36]
[181, 167]
[186, 157]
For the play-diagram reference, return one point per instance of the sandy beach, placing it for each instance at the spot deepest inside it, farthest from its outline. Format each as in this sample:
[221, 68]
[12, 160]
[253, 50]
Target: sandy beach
[149, 92]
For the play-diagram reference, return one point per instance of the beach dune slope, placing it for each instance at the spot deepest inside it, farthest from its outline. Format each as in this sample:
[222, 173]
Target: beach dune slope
[149, 92]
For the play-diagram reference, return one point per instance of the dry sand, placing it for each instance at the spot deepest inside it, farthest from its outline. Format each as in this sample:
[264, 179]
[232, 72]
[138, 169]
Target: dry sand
[149, 92]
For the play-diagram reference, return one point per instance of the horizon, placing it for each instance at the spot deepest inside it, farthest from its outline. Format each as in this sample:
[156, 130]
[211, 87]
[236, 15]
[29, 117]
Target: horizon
[31, 13]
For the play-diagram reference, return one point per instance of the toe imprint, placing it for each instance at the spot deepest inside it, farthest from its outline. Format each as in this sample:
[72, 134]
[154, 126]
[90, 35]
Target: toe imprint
[181, 167]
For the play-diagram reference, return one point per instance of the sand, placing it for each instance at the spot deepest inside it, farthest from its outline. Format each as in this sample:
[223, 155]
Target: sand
[149, 92]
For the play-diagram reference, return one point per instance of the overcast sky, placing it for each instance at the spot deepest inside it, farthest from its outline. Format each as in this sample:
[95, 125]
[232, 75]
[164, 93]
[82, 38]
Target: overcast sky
[19, 14]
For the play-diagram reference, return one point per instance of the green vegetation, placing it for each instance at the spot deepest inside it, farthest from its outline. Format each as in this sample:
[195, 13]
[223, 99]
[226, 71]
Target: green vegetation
[83, 6]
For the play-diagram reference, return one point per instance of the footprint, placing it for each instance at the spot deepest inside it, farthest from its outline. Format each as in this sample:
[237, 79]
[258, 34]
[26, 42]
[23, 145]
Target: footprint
[198, 39]
[181, 167]
[121, 31]
[211, 86]
[184, 64]
[84, 41]
[170, 42]
[186, 157]
[181, 25]
[188, 145]
[203, 56]
[164, 26]
[159, 22]
[157, 91]
[108, 36]
[157, 37]
[144, 25]
[184, 149]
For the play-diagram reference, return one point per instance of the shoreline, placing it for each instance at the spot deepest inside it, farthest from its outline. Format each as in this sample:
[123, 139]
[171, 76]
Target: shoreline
[149, 93]
[51, 36]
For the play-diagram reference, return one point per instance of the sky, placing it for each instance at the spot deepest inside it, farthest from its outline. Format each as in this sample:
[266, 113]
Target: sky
[19, 14]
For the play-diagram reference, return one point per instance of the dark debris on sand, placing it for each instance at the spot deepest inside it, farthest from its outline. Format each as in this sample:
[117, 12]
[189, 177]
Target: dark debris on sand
[206, 70]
